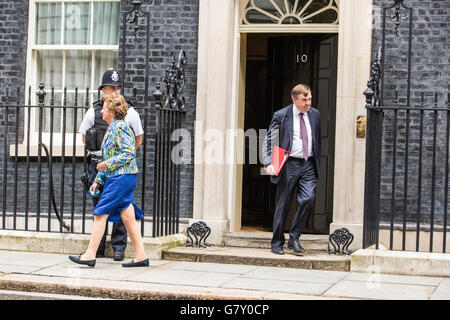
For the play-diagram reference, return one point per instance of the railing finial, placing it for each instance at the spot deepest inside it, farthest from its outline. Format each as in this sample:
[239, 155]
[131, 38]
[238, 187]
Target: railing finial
[175, 80]
[373, 85]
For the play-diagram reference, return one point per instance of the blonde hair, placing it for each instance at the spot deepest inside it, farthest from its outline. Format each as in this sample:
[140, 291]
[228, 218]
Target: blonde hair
[302, 89]
[117, 104]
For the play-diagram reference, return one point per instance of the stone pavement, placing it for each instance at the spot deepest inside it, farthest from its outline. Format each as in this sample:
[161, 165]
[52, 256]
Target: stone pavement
[56, 274]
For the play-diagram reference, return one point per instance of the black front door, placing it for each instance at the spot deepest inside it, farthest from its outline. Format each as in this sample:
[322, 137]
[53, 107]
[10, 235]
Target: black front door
[290, 60]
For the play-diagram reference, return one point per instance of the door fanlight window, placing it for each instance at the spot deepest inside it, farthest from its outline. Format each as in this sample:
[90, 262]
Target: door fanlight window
[291, 12]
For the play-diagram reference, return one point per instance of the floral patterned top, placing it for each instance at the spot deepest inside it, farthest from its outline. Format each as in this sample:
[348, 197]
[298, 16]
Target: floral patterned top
[118, 150]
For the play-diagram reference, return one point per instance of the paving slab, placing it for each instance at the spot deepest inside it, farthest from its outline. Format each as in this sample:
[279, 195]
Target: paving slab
[390, 278]
[309, 288]
[124, 289]
[22, 258]
[301, 275]
[18, 269]
[442, 291]
[183, 277]
[379, 290]
[164, 279]
[210, 267]
[295, 296]
[102, 270]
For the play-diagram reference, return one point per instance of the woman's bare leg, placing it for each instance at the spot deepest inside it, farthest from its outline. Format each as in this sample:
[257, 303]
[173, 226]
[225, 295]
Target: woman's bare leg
[98, 229]
[129, 219]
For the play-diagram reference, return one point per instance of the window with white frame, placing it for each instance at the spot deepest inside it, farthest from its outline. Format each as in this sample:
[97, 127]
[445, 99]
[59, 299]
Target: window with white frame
[71, 44]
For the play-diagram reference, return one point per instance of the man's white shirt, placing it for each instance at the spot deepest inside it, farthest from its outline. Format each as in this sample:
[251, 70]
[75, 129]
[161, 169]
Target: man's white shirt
[297, 144]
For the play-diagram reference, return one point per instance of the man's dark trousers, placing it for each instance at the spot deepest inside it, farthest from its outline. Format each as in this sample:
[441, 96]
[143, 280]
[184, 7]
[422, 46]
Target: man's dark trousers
[119, 232]
[296, 173]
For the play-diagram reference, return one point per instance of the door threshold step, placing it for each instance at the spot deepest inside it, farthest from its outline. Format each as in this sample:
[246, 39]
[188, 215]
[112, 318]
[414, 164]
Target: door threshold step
[317, 260]
[311, 242]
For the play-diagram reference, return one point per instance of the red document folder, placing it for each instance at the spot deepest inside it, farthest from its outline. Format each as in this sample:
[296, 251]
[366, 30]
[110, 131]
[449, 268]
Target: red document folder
[279, 158]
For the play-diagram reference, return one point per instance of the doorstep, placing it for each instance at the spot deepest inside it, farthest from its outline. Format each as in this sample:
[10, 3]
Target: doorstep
[258, 257]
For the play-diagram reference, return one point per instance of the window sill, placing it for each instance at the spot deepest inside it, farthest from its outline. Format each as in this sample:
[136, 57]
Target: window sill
[56, 150]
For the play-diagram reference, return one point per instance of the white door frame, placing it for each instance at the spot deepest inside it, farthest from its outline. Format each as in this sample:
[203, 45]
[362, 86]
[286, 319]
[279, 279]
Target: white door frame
[220, 39]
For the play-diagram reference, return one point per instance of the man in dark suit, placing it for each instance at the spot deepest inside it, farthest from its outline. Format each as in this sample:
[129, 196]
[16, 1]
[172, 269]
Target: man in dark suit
[295, 128]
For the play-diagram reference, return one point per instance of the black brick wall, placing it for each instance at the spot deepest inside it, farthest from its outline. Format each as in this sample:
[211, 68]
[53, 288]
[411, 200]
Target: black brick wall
[430, 57]
[174, 27]
[13, 43]
[430, 50]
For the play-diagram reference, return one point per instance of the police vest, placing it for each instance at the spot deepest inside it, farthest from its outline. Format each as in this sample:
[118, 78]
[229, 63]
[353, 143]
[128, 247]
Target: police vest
[94, 136]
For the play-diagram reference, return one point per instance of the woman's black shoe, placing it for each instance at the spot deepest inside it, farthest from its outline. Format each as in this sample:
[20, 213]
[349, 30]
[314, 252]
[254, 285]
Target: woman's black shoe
[90, 263]
[143, 263]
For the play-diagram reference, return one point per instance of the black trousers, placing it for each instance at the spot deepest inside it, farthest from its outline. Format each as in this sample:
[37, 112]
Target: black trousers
[296, 173]
[119, 232]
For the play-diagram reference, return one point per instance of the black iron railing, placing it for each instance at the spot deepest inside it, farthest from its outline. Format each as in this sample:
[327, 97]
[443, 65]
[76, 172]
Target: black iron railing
[170, 105]
[167, 174]
[42, 164]
[407, 170]
[407, 147]
[33, 195]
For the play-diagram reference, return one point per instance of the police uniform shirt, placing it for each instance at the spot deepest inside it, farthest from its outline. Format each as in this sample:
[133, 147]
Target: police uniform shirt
[132, 118]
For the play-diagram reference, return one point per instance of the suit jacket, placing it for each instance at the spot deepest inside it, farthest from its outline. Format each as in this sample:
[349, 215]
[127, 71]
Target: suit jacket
[281, 133]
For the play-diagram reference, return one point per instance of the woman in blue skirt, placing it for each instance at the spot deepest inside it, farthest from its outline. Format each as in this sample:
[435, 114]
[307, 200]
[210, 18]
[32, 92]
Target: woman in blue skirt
[117, 174]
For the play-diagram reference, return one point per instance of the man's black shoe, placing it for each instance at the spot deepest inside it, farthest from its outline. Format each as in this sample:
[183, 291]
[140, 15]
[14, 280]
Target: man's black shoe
[277, 250]
[296, 247]
[119, 256]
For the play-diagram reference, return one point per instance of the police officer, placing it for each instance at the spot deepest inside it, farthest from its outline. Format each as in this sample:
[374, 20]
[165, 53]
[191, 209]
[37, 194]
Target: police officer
[93, 128]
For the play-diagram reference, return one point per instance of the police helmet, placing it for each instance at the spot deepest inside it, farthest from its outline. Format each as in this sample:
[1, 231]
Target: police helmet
[110, 78]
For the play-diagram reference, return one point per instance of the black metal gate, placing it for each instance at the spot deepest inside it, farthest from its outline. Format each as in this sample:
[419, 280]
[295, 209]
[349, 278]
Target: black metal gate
[41, 166]
[407, 147]
[170, 107]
